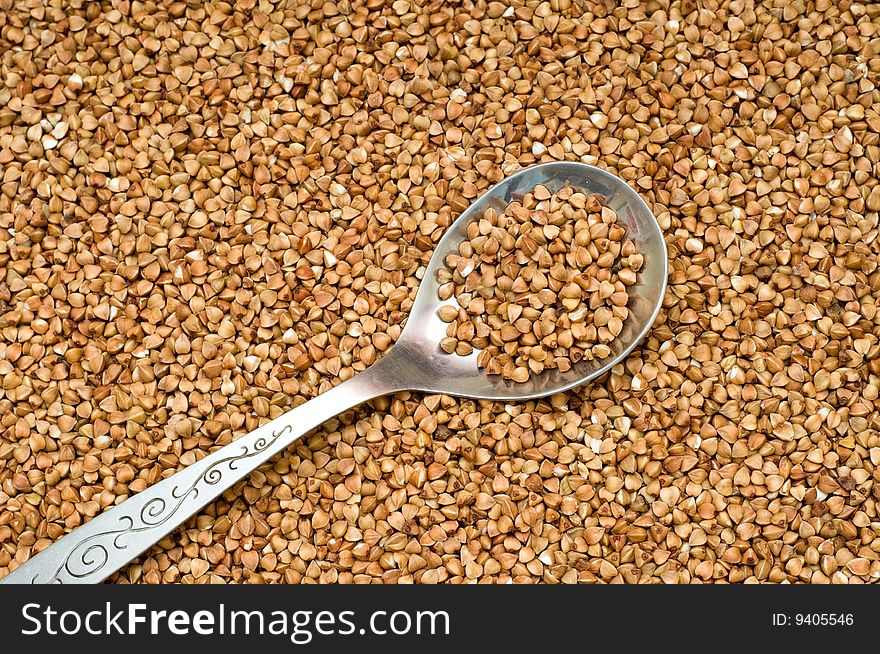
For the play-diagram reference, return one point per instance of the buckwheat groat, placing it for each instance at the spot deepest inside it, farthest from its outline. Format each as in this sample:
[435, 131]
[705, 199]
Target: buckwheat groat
[540, 286]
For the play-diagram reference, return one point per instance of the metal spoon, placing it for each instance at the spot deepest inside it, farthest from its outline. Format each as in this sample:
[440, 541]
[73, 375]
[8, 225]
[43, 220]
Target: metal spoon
[107, 542]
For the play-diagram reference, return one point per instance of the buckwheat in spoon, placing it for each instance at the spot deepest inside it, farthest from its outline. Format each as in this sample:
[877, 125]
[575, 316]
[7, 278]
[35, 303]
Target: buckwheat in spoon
[546, 282]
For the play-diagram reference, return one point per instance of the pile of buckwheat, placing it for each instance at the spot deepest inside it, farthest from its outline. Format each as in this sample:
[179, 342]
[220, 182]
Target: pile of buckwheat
[539, 287]
[210, 213]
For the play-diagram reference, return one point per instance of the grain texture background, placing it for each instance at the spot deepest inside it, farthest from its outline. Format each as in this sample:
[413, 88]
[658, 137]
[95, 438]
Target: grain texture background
[211, 212]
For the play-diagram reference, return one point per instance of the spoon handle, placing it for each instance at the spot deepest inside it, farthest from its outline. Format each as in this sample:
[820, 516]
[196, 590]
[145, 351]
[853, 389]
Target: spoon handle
[92, 552]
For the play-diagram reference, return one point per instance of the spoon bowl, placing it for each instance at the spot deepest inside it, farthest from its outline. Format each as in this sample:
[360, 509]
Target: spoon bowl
[417, 355]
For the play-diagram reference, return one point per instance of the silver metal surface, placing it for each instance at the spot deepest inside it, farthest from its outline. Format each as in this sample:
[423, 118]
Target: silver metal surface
[107, 542]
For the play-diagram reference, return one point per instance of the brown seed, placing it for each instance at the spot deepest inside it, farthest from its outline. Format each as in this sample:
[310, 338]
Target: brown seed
[447, 313]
